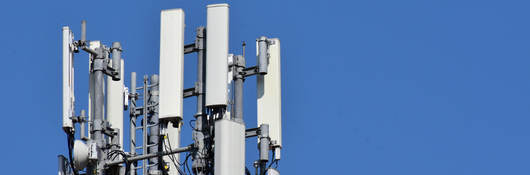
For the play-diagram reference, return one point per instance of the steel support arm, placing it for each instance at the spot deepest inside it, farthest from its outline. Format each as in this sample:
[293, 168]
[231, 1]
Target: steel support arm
[252, 132]
[147, 156]
[190, 48]
[190, 92]
[249, 71]
[86, 49]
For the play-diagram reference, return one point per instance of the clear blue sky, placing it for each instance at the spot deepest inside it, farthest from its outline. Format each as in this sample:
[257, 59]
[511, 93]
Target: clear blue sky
[373, 87]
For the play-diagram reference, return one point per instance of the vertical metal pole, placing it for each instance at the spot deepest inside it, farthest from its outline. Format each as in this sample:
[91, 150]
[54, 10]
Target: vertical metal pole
[201, 68]
[91, 103]
[90, 168]
[144, 126]
[154, 131]
[199, 163]
[238, 87]
[82, 124]
[99, 101]
[132, 126]
[264, 143]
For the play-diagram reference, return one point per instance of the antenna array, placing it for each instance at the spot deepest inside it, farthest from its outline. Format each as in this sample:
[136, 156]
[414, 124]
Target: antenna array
[155, 108]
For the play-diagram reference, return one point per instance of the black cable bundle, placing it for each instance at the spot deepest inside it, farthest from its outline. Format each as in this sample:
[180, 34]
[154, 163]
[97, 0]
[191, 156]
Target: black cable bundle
[172, 156]
[71, 139]
[114, 153]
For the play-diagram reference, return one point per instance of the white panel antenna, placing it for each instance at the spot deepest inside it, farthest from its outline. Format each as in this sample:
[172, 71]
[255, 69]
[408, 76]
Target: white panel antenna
[171, 77]
[229, 147]
[68, 78]
[270, 95]
[115, 103]
[220, 82]
[171, 63]
[217, 54]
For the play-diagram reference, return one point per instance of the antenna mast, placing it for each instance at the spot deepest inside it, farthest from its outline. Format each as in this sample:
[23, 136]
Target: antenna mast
[156, 107]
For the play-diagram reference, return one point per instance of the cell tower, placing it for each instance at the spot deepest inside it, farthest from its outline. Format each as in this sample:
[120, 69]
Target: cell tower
[155, 107]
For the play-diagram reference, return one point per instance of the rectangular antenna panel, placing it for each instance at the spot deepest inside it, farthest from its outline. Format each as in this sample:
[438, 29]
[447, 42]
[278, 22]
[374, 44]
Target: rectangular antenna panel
[68, 78]
[229, 155]
[115, 103]
[171, 63]
[270, 94]
[217, 55]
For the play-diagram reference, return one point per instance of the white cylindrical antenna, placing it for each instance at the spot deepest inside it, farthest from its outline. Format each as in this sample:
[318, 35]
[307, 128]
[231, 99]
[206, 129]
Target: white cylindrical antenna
[171, 64]
[116, 60]
[216, 54]
[263, 62]
[68, 79]
[270, 94]
[114, 108]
